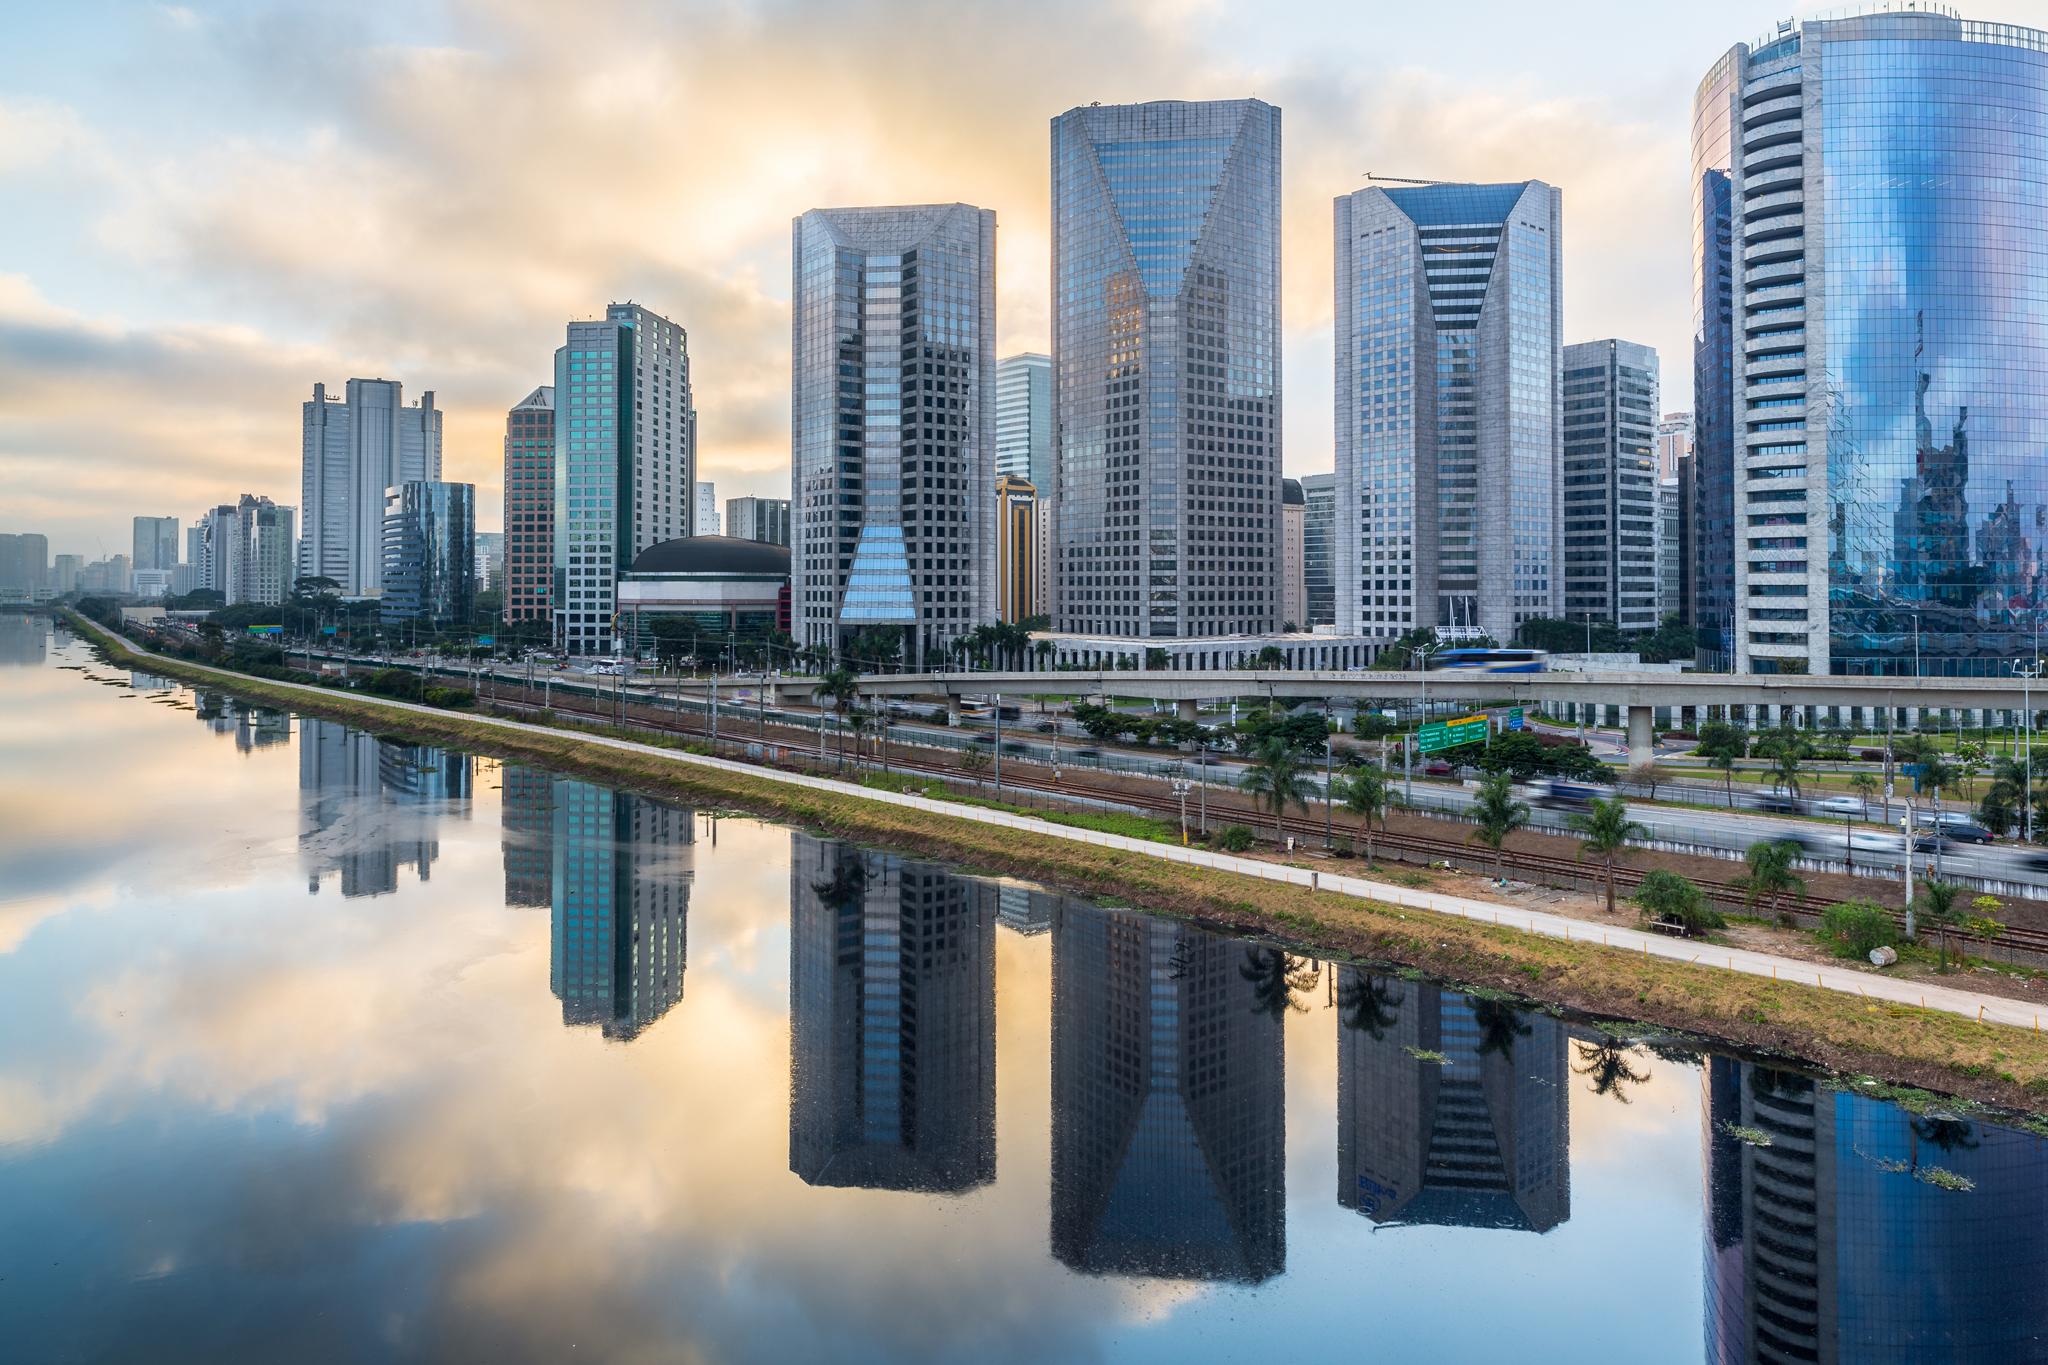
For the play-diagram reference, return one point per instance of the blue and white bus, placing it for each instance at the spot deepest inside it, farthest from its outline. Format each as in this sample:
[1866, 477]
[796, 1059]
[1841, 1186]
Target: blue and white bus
[1491, 660]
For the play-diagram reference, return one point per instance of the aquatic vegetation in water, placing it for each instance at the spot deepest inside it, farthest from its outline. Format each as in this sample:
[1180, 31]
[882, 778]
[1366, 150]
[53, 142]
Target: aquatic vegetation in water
[1755, 1137]
[1425, 1055]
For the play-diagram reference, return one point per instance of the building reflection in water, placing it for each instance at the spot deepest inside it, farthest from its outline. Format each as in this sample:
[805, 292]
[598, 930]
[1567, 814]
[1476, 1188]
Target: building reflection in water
[622, 867]
[1451, 1111]
[526, 822]
[1836, 1230]
[24, 639]
[892, 1067]
[367, 807]
[1168, 1127]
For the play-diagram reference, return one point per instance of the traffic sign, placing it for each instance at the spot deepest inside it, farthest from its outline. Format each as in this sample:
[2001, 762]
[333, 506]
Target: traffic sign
[1515, 721]
[1449, 734]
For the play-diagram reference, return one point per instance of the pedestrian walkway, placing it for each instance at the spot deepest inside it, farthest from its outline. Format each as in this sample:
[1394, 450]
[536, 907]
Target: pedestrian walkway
[1846, 980]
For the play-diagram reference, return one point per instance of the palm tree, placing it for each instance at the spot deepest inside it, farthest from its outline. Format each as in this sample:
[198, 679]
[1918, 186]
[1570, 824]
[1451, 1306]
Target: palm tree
[839, 688]
[1607, 1067]
[1368, 1002]
[1770, 874]
[1367, 796]
[1787, 752]
[1277, 778]
[859, 720]
[1499, 814]
[1276, 978]
[1499, 1025]
[1938, 904]
[1865, 786]
[1607, 829]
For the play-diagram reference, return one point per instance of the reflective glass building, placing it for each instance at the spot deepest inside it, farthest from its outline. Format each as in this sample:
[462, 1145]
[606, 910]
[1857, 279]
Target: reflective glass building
[1871, 346]
[1166, 368]
[429, 553]
[892, 424]
[1447, 404]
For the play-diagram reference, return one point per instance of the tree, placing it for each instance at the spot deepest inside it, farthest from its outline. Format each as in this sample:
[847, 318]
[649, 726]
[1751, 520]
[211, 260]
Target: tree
[1647, 775]
[1277, 778]
[1270, 656]
[1276, 979]
[1770, 876]
[1367, 796]
[839, 688]
[1499, 1024]
[1667, 898]
[1607, 1067]
[1865, 786]
[1369, 1003]
[1607, 829]
[1499, 814]
[1721, 744]
[1787, 751]
[1938, 906]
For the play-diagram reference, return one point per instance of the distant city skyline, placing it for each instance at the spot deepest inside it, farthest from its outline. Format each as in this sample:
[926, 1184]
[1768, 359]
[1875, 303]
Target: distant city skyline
[192, 250]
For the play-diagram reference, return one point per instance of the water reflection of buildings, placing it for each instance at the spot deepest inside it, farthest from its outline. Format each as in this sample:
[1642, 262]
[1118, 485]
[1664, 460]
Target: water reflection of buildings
[622, 866]
[1827, 1241]
[526, 822]
[251, 727]
[368, 807]
[892, 1022]
[1477, 1139]
[24, 639]
[1024, 909]
[1168, 1129]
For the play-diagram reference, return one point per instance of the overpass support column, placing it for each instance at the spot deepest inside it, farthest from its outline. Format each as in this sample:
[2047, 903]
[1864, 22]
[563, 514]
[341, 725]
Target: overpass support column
[952, 709]
[1187, 709]
[1642, 743]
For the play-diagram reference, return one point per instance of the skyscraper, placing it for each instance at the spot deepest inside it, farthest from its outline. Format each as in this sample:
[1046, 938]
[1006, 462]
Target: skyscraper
[705, 521]
[1168, 1073]
[1448, 416]
[1611, 519]
[1166, 365]
[156, 543]
[892, 424]
[1671, 546]
[1293, 551]
[892, 981]
[353, 448]
[1479, 1138]
[1024, 450]
[623, 869]
[625, 461]
[762, 519]
[1017, 517]
[1674, 442]
[265, 551]
[1319, 548]
[1871, 378]
[429, 554]
[530, 507]
[24, 561]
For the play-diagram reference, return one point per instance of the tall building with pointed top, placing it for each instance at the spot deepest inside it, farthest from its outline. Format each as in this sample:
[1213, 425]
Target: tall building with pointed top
[892, 425]
[1166, 368]
[625, 462]
[352, 449]
[530, 507]
[1449, 424]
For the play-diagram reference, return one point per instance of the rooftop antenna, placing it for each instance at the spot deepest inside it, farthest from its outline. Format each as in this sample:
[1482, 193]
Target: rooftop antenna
[1399, 180]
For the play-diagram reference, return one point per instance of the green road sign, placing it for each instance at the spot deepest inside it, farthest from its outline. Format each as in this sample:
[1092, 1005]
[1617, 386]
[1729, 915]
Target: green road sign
[1516, 720]
[1449, 734]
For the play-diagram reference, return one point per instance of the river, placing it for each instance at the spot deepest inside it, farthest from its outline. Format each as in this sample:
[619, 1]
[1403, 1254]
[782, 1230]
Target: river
[318, 1046]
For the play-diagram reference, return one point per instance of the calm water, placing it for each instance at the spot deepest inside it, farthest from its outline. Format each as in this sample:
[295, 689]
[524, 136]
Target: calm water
[317, 1047]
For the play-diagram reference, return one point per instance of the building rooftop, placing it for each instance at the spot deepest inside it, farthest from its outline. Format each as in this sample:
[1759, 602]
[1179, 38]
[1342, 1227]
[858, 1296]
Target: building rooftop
[713, 555]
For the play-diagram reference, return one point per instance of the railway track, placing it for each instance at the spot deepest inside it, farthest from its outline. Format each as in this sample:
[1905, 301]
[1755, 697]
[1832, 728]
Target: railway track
[1029, 775]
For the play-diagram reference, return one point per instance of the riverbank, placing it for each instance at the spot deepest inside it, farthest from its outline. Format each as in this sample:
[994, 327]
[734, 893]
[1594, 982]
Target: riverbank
[1898, 1042]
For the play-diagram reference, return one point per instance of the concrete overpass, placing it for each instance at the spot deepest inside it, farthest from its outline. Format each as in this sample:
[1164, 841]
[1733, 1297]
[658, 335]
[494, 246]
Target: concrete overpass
[1861, 701]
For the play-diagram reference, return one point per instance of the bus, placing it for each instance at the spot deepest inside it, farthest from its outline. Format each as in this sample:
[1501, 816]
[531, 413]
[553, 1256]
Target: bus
[1490, 660]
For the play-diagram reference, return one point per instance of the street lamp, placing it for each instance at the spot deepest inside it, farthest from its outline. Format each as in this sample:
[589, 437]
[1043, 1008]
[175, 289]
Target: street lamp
[2027, 675]
[1180, 790]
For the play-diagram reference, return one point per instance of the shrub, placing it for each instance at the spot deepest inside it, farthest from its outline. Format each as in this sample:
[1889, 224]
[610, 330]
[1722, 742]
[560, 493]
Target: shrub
[1667, 898]
[1234, 839]
[1854, 928]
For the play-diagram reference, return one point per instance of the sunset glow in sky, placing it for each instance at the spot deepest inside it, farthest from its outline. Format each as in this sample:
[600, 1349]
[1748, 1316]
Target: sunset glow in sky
[210, 206]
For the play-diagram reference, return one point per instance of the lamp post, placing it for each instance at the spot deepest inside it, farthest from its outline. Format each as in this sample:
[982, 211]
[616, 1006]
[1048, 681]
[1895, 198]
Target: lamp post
[1180, 790]
[2027, 675]
[1329, 756]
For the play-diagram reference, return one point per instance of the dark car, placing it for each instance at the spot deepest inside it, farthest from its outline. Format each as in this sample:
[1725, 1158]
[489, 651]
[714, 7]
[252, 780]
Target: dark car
[1775, 803]
[1438, 768]
[1963, 830]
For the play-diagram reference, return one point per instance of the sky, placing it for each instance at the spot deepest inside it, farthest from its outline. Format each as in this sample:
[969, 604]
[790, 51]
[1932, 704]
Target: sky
[207, 207]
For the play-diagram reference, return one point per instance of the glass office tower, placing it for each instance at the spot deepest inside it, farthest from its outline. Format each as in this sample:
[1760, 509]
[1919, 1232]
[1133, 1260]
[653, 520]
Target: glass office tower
[429, 553]
[1166, 368]
[1872, 346]
[892, 426]
[1448, 416]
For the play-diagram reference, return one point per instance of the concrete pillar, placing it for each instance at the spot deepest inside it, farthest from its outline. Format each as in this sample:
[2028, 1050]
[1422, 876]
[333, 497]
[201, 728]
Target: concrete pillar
[1186, 709]
[1642, 743]
[952, 709]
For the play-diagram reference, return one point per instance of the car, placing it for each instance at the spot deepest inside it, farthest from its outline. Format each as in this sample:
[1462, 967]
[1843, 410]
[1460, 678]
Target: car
[1841, 805]
[1438, 768]
[1087, 753]
[1874, 841]
[983, 738]
[1960, 827]
[1928, 841]
[1774, 803]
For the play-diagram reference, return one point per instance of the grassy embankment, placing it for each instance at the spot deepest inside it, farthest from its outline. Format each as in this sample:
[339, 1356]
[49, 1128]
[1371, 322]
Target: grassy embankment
[1899, 1044]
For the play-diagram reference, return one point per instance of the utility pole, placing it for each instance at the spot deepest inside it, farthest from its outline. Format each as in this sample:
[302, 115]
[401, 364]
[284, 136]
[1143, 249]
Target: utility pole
[999, 741]
[1329, 757]
[1906, 824]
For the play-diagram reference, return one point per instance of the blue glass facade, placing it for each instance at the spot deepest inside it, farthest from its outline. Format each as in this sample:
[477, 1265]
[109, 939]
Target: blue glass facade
[1874, 416]
[429, 553]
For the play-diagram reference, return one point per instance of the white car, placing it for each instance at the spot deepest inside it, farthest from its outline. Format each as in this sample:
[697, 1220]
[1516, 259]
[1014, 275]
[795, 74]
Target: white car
[1841, 805]
[1875, 841]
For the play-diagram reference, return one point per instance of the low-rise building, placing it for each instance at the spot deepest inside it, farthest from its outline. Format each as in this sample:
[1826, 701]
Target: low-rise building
[715, 585]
